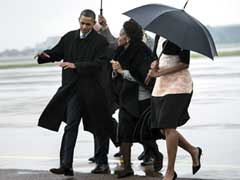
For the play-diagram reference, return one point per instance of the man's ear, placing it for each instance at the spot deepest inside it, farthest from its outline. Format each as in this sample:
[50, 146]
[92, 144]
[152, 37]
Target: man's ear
[128, 39]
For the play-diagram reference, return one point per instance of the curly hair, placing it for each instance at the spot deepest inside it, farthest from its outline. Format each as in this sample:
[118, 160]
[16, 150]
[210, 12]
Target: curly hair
[133, 30]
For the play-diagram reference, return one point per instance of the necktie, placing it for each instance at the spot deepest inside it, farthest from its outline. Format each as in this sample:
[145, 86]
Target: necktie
[83, 36]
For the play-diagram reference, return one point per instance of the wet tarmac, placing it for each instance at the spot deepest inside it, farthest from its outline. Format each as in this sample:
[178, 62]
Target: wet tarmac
[214, 124]
[43, 175]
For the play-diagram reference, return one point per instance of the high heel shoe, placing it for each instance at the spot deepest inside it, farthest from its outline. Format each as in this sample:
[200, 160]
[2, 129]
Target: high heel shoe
[195, 169]
[175, 176]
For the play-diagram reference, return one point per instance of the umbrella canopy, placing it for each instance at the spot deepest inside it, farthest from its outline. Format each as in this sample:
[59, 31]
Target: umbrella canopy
[175, 25]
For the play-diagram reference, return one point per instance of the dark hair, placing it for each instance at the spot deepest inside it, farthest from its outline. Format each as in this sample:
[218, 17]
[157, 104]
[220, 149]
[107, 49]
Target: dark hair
[88, 13]
[133, 30]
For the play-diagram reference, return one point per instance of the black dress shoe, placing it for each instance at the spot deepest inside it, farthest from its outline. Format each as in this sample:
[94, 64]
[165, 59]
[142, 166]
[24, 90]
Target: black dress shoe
[195, 169]
[158, 163]
[125, 172]
[92, 159]
[147, 161]
[175, 176]
[101, 169]
[141, 156]
[62, 170]
[118, 154]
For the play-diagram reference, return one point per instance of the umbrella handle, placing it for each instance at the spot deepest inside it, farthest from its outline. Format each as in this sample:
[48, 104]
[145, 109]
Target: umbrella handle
[185, 4]
[156, 40]
[101, 9]
[147, 80]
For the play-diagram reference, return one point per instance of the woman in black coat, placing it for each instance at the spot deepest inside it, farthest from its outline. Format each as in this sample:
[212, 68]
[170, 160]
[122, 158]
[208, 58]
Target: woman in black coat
[130, 68]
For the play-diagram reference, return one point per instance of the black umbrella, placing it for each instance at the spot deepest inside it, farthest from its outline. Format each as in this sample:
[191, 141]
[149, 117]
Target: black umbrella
[175, 25]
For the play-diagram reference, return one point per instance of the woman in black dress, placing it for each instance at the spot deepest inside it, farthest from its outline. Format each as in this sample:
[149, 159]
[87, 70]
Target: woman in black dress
[130, 68]
[171, 97]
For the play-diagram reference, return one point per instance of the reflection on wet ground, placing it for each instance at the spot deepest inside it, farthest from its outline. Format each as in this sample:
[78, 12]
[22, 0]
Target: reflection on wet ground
[214, 123]
[13, 174]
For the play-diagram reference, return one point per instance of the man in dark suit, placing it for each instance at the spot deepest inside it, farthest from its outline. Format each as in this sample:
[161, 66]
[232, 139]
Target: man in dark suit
[81, 94]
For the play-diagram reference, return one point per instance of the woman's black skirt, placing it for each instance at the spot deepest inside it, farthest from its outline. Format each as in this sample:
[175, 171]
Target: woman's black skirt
[170, 111]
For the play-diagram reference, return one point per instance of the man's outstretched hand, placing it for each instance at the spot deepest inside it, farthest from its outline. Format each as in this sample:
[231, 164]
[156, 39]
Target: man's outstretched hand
[42, 55]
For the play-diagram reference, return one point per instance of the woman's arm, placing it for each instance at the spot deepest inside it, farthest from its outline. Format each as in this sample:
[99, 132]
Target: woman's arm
[179, 67]
[105, 32]
[165, 71]
[127, 75]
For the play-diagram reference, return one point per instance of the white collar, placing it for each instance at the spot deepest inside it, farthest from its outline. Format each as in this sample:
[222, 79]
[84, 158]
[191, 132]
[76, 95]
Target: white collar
[83, 36]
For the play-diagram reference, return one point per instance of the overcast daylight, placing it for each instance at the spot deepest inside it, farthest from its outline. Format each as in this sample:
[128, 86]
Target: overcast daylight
[86, 102]
[27, 22]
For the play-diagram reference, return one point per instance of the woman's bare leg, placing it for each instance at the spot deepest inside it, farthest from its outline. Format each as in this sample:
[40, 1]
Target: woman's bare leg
[172, 139]
[192, 150]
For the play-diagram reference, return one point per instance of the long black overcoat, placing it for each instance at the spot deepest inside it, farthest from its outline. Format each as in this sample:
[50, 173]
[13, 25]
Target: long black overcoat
[89, 57]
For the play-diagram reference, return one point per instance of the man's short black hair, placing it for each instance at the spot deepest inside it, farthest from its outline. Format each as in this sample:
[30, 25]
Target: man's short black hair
[88, 13]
